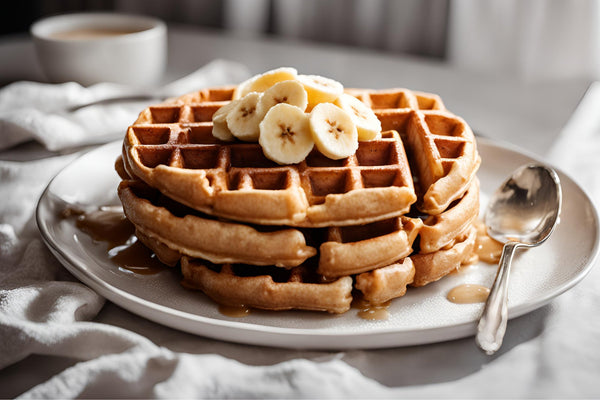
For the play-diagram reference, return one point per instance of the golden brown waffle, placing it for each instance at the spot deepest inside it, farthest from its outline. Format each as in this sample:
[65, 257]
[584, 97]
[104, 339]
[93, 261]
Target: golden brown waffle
[171, 148]
[355, 249]
[165, 254]
[375, 254]
[440, 230]
[443, 154]
[399, 98]
[247, 231]
[199, 235]
[386, 283]
[433, 266]
[342, 250]
[267, 288]
[274, 288]
[441, 146]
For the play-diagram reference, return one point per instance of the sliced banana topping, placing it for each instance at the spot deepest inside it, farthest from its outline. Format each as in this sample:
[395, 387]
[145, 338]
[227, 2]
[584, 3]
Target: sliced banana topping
[285, 135]
[220, 129]
[262, 82]
[271, 108]
[290, 92]
[243, 118]
[320, 89]
[333, 131]
[367, 124]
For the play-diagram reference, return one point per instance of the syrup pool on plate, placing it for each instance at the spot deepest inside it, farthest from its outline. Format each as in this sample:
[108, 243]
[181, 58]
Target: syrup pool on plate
[468, 294]
[234, 311]
[487, 249]
[369, 311]
[109, 225]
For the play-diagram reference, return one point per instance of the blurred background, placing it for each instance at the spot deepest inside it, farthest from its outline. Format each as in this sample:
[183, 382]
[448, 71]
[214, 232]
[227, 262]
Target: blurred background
[531, 40]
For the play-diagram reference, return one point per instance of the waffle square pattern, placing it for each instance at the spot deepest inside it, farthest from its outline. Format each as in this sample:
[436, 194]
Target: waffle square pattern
[248, 231]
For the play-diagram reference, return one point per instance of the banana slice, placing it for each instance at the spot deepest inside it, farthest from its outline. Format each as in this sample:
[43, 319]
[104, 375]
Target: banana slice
[333, 131]
[243, 89]
[219, 119]
[243, 119]
[367, 123]
[290, 92]
[320, 89]
[260, 83]
[285, 134]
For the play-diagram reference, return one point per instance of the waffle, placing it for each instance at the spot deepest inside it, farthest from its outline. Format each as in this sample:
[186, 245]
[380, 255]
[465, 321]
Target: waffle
[273, 288]
[171, 148]
[267, 288]
[343, 250]
[386, 283]
[356, 249]
[442, 147]
[164, 253]
[440, 230]
[247, 231]
[433, 266]
[376, 255]
[399, 98]
[200, 236]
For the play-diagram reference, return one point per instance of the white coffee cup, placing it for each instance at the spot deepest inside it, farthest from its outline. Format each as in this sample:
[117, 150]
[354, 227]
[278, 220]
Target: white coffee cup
[101, 47]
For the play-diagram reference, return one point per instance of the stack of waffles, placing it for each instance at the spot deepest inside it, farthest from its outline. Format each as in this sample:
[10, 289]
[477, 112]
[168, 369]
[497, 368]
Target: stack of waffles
[248, 231]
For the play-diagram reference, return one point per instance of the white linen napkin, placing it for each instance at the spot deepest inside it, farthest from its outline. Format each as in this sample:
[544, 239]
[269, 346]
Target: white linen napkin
[40, 111]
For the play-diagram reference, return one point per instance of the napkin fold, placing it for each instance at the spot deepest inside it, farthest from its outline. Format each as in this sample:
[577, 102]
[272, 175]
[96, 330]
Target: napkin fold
[40, 111]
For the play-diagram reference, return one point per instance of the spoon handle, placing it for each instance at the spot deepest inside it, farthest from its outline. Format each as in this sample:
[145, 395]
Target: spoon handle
[492, 324]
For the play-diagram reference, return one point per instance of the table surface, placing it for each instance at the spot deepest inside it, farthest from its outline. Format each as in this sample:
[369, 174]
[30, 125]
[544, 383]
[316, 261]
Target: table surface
[528, 114]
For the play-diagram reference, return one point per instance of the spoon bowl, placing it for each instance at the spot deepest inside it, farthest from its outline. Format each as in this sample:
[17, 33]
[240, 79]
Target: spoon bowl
[522, 213]
[525, 207]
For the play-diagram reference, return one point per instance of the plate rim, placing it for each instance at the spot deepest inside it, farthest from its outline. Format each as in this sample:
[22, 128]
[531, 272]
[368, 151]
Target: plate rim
[272, 335]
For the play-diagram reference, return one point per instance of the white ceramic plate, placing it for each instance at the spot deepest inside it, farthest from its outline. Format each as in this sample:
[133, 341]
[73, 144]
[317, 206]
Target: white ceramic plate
[424, 315]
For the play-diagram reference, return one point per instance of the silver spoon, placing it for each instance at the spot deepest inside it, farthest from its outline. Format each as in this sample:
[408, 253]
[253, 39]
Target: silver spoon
[522, 213]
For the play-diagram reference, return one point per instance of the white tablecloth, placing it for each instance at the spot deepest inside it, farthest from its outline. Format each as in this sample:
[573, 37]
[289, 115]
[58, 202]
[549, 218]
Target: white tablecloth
[91, 348]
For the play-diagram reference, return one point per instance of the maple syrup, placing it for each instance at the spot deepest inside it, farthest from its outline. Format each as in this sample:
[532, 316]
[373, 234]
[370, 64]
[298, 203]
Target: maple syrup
[137, 258]
[369, 311]
[487, 249]
[234, 311]
[468, 293]
[109, 225]
[106, 224]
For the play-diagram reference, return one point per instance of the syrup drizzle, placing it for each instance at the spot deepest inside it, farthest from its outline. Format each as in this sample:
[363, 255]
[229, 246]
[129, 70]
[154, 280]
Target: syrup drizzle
[468, 294]
[104, 225]
[369, 311]
[234, 311]
[137, 258]
[487, 249]
[109, 225]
